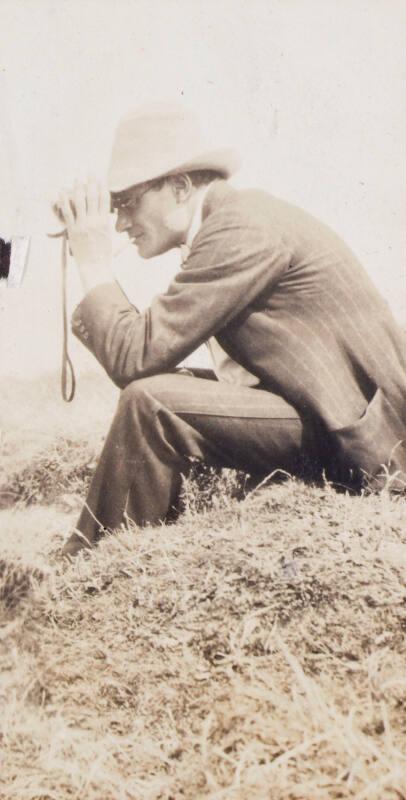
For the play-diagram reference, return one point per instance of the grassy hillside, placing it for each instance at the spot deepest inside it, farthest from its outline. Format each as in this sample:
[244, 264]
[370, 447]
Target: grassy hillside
[255, 649]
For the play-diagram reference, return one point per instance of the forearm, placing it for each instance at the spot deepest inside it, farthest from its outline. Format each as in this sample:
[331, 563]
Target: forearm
[119, 336]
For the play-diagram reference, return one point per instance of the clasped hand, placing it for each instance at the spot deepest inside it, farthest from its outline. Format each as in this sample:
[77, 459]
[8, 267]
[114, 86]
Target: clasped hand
[85, 212]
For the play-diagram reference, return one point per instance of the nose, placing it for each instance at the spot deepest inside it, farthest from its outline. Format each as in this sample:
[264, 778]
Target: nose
[123, 221]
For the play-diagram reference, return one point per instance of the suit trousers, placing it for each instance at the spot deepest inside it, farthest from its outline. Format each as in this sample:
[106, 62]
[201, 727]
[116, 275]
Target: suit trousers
[165, 423]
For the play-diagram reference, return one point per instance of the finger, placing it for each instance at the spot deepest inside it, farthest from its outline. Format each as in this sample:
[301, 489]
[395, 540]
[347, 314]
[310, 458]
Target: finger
[79, 201]
[57, 211]
[93, 192]
[104, 200]
[65, 208]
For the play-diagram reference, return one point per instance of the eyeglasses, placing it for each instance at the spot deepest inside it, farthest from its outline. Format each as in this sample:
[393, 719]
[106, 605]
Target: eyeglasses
[129, 203]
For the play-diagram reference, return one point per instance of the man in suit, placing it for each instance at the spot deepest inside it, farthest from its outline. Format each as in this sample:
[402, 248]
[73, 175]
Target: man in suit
[312, 367]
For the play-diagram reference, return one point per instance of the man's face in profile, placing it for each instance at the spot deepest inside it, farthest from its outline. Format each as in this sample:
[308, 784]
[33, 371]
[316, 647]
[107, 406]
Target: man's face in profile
[145, 214]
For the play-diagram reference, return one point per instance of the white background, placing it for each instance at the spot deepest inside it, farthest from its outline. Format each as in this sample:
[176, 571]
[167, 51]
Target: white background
[312, 92]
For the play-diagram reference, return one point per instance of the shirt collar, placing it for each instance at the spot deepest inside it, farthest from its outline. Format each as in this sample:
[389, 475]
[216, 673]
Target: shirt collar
[194, 225]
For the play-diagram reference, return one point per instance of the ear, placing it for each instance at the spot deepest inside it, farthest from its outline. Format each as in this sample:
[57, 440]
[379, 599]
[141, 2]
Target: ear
[182, 186]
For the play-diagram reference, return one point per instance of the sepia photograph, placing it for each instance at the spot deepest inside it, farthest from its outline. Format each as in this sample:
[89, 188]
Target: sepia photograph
[202, 400]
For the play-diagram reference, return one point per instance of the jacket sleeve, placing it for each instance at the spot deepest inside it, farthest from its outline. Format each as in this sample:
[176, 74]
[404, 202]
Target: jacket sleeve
[234, 260]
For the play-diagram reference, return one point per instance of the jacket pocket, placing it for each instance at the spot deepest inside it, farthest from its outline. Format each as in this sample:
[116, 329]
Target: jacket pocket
[375, 445]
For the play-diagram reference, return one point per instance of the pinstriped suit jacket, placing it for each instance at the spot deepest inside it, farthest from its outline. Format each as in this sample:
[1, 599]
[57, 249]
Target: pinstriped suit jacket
[288, 300]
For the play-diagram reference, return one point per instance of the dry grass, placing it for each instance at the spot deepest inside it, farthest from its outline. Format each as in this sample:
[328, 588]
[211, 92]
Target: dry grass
[254, 650]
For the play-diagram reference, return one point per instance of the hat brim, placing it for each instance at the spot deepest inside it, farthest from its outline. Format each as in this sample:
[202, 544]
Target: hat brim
[226, 161]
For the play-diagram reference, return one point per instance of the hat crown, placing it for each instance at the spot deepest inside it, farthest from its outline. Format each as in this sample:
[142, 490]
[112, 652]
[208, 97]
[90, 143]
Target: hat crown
[160, 138]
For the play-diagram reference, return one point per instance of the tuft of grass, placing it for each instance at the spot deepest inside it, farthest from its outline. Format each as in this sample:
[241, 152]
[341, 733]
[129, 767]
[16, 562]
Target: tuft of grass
[207, 488]
[64, 468]
[16, 584]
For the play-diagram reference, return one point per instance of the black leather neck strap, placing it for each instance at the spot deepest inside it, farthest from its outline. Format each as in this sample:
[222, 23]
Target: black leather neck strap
[68, 380]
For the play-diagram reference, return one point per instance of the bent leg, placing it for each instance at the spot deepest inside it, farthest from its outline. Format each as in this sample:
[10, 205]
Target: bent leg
[163, 422]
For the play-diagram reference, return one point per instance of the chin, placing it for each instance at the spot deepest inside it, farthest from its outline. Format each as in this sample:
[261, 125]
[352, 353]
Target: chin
[149, 247]
[154, 252]
[148, 253]
[143, 250]
[142, 253]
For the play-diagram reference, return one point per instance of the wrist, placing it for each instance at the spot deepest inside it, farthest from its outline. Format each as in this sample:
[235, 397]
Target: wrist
[93, 273]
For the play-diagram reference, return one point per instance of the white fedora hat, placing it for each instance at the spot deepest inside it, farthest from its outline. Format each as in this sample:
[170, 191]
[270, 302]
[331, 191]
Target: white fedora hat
[161, 139]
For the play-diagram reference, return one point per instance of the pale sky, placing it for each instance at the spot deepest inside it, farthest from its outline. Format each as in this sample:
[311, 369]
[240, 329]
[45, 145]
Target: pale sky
[312, 92]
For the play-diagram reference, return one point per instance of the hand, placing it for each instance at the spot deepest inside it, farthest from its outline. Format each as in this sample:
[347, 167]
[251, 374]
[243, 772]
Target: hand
[85, 212]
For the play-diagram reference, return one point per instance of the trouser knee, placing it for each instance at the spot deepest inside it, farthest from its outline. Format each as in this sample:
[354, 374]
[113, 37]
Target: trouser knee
[142, 414]
[136, 397]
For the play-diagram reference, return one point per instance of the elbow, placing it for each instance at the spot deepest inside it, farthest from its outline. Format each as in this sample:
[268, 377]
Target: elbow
[120, 376]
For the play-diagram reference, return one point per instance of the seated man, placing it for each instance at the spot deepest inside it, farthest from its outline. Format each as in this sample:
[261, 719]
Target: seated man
[313, 369]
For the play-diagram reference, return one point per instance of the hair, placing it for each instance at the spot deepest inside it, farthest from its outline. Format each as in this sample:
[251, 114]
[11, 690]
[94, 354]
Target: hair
[198, 177]
[201, 177]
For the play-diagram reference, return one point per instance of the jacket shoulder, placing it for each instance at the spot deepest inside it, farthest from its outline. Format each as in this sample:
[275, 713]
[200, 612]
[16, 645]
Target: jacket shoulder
[257, 207]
